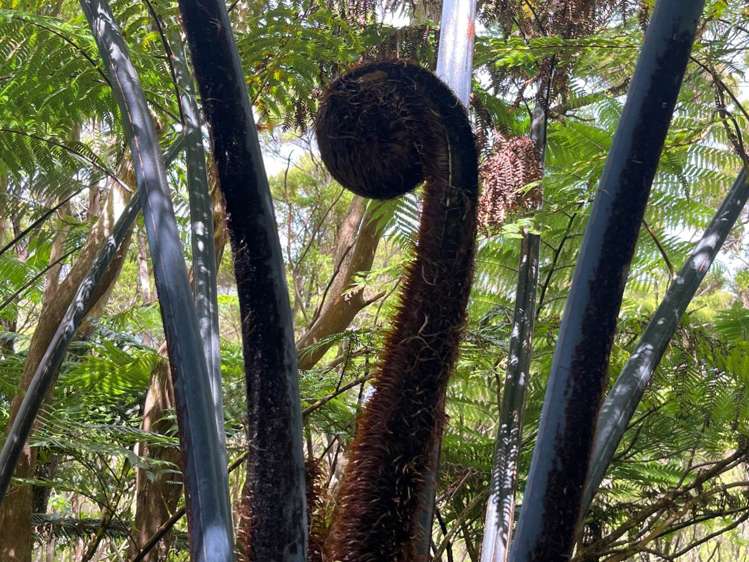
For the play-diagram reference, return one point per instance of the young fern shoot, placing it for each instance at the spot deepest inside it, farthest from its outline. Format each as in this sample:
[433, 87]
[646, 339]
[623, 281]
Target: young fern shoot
[382, 129]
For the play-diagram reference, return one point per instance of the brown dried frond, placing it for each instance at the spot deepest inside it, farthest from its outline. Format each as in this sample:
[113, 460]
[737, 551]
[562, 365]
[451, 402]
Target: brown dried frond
[572, 18]
[505, 13]
[567, 18]
[536, 18]
[354, 11]
[511, 166]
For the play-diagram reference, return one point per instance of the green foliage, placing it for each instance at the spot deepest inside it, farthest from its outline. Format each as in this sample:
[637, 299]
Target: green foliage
[60, 138]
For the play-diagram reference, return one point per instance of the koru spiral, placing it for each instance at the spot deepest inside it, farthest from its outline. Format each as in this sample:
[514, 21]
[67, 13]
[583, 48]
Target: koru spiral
[382, 129]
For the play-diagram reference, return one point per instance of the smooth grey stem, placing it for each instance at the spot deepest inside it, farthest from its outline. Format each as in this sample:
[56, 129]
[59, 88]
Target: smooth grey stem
[204, 266]
[205, 465]
[622, 400]
[500, 507]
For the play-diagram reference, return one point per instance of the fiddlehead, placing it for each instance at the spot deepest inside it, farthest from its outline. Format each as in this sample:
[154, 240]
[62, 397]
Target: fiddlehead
[382, 129]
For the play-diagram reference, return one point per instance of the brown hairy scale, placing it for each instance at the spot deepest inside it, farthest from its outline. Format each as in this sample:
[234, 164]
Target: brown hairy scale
[382, 129]
[314, 480]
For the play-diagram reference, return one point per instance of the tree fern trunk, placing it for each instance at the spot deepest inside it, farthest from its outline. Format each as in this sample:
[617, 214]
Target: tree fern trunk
[275, 469]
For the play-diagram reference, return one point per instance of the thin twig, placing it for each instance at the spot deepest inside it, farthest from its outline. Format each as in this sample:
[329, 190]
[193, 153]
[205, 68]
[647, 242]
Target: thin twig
[169, 55]
[660, 247]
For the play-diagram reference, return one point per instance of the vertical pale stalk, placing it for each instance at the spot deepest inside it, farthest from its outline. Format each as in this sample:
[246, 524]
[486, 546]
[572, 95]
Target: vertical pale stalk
[205, 467]
[455, 55]
[623, 398]
[204, 266]
[500, 507]
[552, 502]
